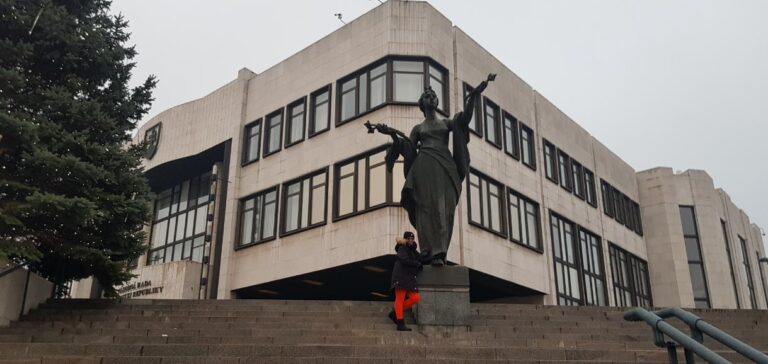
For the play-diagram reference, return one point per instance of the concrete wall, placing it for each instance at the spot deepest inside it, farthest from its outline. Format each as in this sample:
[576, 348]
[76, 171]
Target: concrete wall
[179, 280]
[12, 294]
[662, 192]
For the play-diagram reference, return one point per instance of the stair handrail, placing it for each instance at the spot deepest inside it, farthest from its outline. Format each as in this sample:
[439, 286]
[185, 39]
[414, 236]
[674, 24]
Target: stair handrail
[661, 328]
[693, 343]
[700, 327]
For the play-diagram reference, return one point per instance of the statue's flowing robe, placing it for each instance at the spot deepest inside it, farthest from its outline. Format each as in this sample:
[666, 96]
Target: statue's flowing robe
[433, 179]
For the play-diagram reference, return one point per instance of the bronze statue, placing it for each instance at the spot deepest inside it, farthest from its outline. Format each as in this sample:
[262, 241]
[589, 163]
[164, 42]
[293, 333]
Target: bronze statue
[433, 176]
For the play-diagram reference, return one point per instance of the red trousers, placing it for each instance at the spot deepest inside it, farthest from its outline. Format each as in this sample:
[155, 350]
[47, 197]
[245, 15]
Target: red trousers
[402, 303]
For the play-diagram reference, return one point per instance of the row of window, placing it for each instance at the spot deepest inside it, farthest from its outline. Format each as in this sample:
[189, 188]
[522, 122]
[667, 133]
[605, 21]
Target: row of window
[622, 208]
[503, 130]
[179, 223]
[295, 120]
[569, 173]
[361, 184]
[399, 80]
[580, 273]
[503, 211]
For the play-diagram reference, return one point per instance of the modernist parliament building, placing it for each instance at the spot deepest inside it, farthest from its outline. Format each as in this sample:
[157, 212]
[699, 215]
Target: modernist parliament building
[270, 187]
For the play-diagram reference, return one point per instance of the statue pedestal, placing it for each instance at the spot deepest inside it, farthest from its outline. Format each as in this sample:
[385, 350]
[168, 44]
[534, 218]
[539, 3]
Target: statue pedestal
[444, 293]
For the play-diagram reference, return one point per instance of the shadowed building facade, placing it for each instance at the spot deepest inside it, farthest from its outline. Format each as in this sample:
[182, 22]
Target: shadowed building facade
[269, 187]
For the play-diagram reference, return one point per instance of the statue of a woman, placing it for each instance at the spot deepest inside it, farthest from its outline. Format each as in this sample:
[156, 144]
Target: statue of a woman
[433, 176]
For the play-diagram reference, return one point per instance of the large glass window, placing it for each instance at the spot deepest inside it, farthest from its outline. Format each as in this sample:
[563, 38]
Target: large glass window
[523, 220]
[294, 132]
[258, 217]
[179, 224]
[579, 267]
[474, 125]
[608, 207]
[631, 285]
[492, 124]
[273, 130]
[511, 136]
[724, 227]
[370, 87]
[527, 146]
[550, 161]
[486, 208]
[363, 183]
[252, 142]
[589, 187]
[695, 259]
[320, 111]
[746, 271]
[622, 208]
[304, 202]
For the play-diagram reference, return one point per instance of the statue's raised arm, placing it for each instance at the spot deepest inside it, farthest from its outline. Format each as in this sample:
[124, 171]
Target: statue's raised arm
[471, 97]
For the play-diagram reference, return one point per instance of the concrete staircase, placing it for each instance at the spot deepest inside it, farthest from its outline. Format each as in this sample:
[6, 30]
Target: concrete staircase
[276, 331]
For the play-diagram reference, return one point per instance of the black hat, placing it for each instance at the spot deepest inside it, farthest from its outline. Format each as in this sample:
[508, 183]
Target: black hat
[408, 234]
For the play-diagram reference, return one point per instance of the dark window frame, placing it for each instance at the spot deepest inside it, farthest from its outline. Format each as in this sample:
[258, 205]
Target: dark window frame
[312, 106]
[267, 132]
[288, 122]
[514, 128]
[503, 219]
[496, 122]
[303, 204]
[390, 86]
[589, 187]
[240, 210]
[389, 196]
[578, 183]
[476, 113]
[523, 201]
[608, 208]
[724, 226]
[198, 195]
[748, 270]
[700, 261]
[550, 162]
[631, 262]
[247, 139]
[525, 130]
[564, 170]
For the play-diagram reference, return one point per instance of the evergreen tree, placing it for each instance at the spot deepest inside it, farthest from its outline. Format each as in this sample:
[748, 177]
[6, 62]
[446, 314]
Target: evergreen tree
[73, 197]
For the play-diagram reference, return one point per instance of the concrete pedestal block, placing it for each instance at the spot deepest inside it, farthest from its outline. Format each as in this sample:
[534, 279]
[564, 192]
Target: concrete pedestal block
[444, 295]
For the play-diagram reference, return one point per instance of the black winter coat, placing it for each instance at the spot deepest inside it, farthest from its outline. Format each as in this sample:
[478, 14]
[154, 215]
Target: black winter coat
[406, 268]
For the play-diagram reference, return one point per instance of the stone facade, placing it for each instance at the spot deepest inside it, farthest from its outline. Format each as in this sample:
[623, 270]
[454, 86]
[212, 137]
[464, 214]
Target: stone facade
[416, 29]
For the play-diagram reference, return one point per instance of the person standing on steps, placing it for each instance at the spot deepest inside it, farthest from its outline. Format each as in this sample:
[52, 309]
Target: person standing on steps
[407, 266]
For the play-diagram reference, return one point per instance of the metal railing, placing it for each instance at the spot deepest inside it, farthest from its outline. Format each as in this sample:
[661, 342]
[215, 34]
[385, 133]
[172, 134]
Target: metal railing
[694, 343]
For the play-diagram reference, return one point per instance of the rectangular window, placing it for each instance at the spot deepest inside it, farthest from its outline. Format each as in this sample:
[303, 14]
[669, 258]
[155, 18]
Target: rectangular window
[348, 99]
[511, 136]
[362, 183]
[589, 187]
[608, 207]
[724, 226]
[304, 202]
[408, 77]
[578, 179]
[638, 219]
[629, 212]
[258, 217]
[474, 125]
[550, 161]
[437, 82]
[273, 132]
[695, 259]
[527, 146]
[579, 267]
[618, 204]
[564, 169]
[180, 217]
[252, 142]
[320, 111]
[523, 220]
[378, 80]
[631, 286]
[486, 204]
[492, 124]
[747, 272]
[294, 131]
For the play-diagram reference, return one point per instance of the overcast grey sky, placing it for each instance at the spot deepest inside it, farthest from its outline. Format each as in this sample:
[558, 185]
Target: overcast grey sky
[682, 84]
